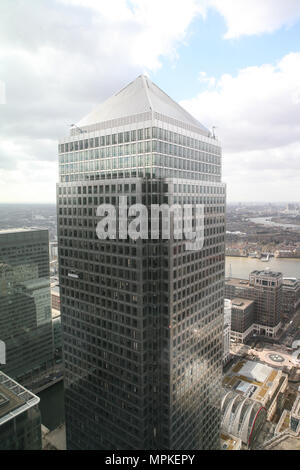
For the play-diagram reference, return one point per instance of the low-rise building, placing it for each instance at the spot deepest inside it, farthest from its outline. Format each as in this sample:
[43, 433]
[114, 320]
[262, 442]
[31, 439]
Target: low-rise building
[257, 381]
[20, 420]
[241, 417]
[287, 431]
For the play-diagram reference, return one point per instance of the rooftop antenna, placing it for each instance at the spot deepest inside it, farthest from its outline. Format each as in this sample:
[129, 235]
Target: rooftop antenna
[74, 125]
[213, 131]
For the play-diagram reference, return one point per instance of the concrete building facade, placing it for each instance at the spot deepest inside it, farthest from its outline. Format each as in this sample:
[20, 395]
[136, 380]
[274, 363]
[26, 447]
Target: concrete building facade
[265, 289]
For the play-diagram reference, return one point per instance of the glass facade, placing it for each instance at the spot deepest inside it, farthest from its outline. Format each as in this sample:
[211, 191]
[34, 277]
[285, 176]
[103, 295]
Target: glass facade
[142, 319]
[25, 303]
[150, 152]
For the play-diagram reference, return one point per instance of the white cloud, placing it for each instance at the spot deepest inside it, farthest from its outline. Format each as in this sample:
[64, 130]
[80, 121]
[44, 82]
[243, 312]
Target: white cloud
[257, 115]
[203, 78]
[145, 29]
[58, 57]
[251, 17]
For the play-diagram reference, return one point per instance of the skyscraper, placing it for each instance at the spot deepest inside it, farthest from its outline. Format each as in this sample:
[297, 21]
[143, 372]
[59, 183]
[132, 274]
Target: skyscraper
[25, 303]
[142, 319]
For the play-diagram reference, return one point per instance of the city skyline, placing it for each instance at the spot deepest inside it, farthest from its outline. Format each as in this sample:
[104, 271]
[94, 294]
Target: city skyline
[149, 226]
[234, 68]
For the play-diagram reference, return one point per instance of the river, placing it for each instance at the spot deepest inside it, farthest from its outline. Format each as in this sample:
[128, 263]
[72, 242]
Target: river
[242, 267]
[266, 221]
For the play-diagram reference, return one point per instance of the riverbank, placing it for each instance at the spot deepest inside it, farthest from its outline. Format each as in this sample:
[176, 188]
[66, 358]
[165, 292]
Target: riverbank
[241, 267]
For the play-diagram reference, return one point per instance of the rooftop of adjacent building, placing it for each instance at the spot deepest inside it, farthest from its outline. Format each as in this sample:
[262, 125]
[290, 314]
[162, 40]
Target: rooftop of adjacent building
[22, 230]
[287, 443]
[252, 379]
[238, 282]
[241, 304]
[291, 282]
[229, 442]
[266, 273]
[14, 399]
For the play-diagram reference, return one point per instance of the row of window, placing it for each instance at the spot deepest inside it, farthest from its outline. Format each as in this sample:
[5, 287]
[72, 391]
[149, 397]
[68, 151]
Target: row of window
[150, 187]
[137, 135]
[140, 148]
[148, 172]
[140, 161]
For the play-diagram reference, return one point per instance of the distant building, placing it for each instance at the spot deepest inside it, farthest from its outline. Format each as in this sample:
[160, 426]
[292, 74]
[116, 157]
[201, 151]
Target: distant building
[25, 303]
[53, 250]
[20, 420]
[290, 296]
[265, 289]
[55, 298]
[268, 298]
[242, 319]
[286, 254]
[227, 330]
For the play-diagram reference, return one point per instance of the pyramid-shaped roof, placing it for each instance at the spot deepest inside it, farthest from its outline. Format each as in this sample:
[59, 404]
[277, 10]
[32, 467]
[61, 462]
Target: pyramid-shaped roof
[140, 96]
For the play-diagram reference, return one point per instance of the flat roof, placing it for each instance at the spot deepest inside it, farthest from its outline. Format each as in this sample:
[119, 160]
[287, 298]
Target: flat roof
[22, 229]
[14, 399]
[8, 401]
[238, 282]
[266, 273]
[252, 379]
[229, 442]
[291, 282]
[241, 304]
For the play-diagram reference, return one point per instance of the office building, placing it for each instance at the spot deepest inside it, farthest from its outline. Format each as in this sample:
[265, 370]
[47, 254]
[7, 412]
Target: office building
[20, 420]
[265, 289]
[227, 330]
[268, 289]
[242, 319]
[25, 303]
[142, 319]
[290, 296]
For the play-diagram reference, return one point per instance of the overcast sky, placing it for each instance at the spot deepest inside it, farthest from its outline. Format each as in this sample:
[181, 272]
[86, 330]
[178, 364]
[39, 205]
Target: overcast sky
[232, 64]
